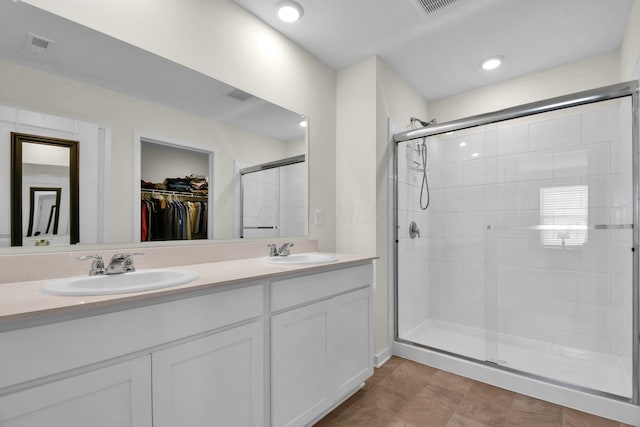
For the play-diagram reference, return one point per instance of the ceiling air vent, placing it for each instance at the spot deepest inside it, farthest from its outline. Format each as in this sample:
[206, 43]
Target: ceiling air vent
[37, 44]
[239, 95]
[431, 6]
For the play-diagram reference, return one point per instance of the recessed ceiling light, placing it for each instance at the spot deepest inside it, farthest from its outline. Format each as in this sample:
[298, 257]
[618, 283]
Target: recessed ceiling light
[462, 144]
[492, 63]
[289, 11]
[475, 154]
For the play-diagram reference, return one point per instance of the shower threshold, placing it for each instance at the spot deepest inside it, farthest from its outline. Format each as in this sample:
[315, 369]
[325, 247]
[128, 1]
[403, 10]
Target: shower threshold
[590, 369]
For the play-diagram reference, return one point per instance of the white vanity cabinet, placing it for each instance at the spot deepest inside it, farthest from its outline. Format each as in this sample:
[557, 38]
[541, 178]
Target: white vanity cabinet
[218, 377]
[116, 395]
[271, 352]
[321, 342]
[177, 357]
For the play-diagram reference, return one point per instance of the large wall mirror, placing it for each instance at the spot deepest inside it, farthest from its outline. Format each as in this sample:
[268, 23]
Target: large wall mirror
[128, 108]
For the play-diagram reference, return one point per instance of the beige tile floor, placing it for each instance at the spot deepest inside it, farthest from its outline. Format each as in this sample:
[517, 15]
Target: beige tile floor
[403, 393]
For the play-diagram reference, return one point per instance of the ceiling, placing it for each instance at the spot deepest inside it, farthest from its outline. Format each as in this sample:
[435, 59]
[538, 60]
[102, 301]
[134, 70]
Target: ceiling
[83, 54]
[439, 53]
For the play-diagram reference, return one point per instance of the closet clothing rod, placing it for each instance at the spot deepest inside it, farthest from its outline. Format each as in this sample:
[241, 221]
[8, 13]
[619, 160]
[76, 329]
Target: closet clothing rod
[175, 193]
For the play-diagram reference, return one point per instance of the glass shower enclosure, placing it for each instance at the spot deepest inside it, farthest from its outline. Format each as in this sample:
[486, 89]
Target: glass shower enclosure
[272, 201]
[525, 258]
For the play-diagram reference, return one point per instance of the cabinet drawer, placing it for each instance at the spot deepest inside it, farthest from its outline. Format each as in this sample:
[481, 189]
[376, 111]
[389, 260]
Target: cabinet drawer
[301, 290]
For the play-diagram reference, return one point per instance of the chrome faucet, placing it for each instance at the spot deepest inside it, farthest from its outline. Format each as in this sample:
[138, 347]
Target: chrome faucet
[283, 251]
[121, 263]
[97, 265]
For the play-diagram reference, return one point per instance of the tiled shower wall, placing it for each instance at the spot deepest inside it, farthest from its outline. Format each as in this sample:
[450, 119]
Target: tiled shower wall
[483, 258]
[261, 190]
[292, 200]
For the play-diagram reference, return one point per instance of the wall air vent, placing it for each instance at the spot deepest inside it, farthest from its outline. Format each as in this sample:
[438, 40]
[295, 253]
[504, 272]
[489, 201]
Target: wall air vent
[431, 6]
[37, 44]
[239, 95]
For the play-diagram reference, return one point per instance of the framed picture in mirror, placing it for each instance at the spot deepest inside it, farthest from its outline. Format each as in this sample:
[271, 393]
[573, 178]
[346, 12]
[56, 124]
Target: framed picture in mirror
[44, 188]
[44, 211]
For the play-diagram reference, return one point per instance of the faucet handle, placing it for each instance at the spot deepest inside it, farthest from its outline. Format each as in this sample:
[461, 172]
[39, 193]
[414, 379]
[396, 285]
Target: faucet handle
[284, 249]
[122, 263]
[272, 250]
[97, 265]
[127, 261]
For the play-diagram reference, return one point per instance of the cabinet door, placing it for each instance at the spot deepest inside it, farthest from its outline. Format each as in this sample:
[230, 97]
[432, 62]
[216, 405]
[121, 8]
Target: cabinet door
[118, 395]
[299, 381]
[350, 346]
[217, 380]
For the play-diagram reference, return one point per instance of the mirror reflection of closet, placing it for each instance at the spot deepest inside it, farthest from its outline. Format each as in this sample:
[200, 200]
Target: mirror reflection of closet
[175, 192]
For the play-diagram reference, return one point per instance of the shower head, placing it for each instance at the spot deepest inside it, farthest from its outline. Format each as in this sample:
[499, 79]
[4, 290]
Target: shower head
[423, 123]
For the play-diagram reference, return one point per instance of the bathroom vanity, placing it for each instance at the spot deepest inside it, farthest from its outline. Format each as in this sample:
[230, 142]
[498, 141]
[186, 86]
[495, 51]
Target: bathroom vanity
[264, 346]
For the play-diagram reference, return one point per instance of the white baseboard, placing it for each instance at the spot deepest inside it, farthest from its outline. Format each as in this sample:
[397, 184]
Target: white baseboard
[380, 358]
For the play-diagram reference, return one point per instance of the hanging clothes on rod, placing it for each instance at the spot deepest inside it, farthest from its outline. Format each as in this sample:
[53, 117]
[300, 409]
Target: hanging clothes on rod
[167, 215]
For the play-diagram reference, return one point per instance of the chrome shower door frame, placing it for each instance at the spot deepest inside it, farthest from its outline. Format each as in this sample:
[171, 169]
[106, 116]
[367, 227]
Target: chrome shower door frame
[620, 90]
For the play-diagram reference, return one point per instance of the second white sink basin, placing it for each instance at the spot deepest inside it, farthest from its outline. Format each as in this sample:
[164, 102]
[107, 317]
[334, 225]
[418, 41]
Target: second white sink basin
[307, 258]
[137, 281]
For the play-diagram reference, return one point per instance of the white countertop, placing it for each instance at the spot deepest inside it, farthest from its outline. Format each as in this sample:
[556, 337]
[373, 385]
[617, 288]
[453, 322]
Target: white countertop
[25, 300]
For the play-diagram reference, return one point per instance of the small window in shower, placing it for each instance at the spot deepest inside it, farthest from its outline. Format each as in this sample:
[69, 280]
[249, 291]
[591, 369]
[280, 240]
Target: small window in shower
[564, 213]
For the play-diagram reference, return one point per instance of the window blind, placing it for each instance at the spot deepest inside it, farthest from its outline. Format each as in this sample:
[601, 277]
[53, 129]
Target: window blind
[564, 215]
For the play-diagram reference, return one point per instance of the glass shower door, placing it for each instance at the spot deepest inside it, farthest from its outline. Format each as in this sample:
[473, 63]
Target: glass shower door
[563, 246]
[441, 289]
[260, 204]
[524, 256]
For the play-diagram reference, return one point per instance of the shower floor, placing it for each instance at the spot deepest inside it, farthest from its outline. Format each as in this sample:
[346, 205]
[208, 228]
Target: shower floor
[598, 371]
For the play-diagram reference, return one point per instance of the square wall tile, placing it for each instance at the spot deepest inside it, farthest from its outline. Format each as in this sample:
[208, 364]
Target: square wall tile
[555, 134]
[473, 172]
[529, 166]
[590, 160]
[513, 252]
[462, 148]
[601, 126]
[513, 140]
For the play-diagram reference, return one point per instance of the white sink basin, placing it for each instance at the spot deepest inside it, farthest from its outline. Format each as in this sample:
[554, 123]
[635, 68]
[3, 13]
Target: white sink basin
[141, 280]
[308, 258]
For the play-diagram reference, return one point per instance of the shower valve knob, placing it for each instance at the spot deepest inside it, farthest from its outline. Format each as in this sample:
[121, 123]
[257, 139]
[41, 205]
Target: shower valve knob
[414, 231]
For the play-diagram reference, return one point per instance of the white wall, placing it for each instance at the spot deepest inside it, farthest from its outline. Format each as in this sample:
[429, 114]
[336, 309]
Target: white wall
[158, 162]
[220, 39]
[396, 101]
[369, 93]
[590, 73]
[356, 159]
[630, 49]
